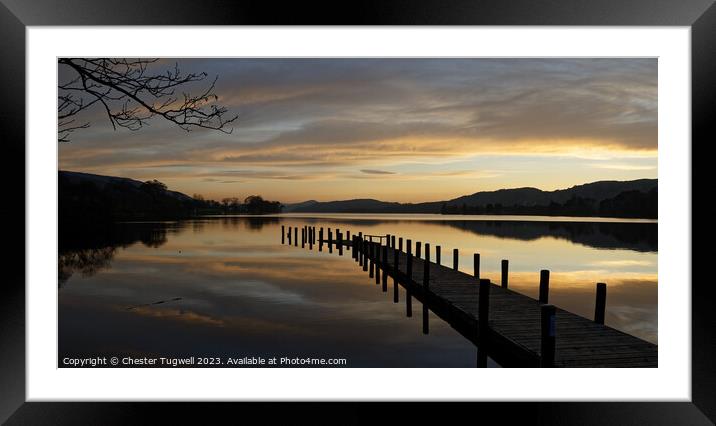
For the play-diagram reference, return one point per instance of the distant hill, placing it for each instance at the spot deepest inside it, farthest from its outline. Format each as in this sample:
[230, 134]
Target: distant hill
[636, 198]
[85, 197]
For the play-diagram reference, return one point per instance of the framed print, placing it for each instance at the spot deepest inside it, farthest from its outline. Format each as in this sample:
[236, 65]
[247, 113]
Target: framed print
[446, 203]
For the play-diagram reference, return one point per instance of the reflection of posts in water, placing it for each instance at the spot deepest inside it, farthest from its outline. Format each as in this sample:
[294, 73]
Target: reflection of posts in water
[283, 234]
[483, 315]
[505, 265]
[476, 265]
[544, 286]
[426, 287]
[601, 303]
[548, 332]
[454, 259]
[385, 268]
[396, 269]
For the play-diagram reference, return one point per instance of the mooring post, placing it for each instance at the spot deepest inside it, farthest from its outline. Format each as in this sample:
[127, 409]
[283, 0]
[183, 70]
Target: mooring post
[396, 269]
[544, 286]
[289, 235]
[330, 240]
[348, 238]
[483, 321]
[303, 238]
[387, 240]
[409, 284]
[385, 268]
[548, 332]
[437, 255]
[295, 236]
[505, 265]
[310, 238]
[354, 252]
[283, 234]
[426, 287]
[392, 241]
[601, 303]
[417, 249]
[476, 265]
[371, 259]
[320, 239]
[339, 238]
[454, 259]
[400, 244]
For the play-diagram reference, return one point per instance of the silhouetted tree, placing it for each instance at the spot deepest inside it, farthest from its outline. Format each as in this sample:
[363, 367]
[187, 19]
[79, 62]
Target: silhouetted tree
[131, 94]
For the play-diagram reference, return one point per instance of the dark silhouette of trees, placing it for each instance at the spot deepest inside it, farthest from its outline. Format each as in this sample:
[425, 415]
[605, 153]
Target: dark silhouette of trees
[132, 91]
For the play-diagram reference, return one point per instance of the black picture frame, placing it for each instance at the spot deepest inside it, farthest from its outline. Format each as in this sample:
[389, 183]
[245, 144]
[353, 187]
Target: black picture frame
[16, 15]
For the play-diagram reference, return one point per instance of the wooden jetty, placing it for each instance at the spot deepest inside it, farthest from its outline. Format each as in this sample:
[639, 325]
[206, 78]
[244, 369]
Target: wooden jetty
[511, 328]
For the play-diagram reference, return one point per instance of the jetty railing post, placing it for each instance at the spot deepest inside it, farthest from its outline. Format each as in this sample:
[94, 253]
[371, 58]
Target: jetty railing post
[387, 240]
[548, 332]
[396, 269]
[320, 239]
[400, 244]
[295, 236]
[454, 259]
[303, 237]
[417, 249]
[348, 238]
[371, 258]
[505, 266]
[426, 288]
[437, 255]
[364, 254]
[483, 321]
[392, 241]
[384, 265]
[330, 240]
[544, 286]
[310, 238]
[409, 283]
[601, 303]
[476, 265]
[354, 252]
[283, 234]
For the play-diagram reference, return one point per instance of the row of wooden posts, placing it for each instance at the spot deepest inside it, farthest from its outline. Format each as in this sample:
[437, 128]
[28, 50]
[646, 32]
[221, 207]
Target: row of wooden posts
[368, 253]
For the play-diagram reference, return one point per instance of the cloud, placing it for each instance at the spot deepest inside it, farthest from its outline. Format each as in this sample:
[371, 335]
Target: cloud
[376, 172]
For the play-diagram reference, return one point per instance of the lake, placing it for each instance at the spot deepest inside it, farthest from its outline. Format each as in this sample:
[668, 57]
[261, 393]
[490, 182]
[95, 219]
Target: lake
[227, 287]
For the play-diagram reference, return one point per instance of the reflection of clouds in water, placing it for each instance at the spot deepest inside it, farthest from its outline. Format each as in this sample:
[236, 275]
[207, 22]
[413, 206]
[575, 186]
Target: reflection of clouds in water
[640, 322]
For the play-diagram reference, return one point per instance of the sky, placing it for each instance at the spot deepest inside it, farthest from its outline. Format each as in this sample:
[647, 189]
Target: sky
[406, 130]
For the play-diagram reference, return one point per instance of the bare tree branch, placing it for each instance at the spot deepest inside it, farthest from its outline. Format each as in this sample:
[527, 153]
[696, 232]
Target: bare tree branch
[131, 95]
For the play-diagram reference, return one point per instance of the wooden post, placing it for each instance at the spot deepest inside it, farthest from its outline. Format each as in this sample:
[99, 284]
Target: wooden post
[601, 303]
[303, 237]
[330, 240]
[437, 255]
[339, 238]
[426, 287]
[483, 321]
[295, 236]
[544, 286]
[283, 234]
[400, 244]
[387, 240]
[385, 268]
[476, 265]
[348, 238]
[454, 259]
[548, 332]
[392, 241]
[417, 249]
[364, 254]
[505, 265]
[408, 285]
[310, 238]
[371, 258]
[320, 239]
[396, 263]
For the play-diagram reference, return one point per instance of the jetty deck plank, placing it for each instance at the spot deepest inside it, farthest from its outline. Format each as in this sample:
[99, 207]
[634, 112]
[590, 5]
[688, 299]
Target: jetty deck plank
[514, 320]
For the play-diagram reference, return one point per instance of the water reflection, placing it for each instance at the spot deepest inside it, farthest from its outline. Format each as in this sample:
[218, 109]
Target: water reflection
[227, 286]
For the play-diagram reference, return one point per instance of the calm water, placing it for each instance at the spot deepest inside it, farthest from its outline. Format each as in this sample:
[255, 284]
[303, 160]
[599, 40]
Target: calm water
[226, 287]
